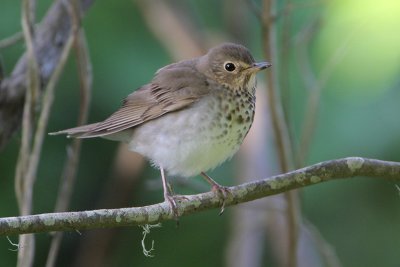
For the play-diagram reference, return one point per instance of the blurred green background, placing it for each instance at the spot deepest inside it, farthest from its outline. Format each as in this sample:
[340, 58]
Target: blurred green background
[354, 51]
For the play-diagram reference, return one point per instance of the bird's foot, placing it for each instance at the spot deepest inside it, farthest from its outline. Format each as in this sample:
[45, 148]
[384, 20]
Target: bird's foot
[171, 198]
[222, 191]
[172, 204]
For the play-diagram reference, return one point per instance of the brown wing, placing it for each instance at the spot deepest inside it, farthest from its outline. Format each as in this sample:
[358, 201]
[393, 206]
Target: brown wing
[172, 89]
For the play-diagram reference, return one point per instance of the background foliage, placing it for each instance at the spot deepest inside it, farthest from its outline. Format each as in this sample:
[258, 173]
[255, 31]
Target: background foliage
[358, 116]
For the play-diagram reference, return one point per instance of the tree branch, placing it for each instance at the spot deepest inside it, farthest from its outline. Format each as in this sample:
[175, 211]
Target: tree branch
[321, 172]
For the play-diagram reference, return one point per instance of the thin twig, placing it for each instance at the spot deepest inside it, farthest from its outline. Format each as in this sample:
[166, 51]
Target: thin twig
[278, 120]
[303, 40]
[280, 128]
[293, 212]
[33, 88]
[85, 75]
[50, 37]
[171, 29]
[12, 40]
[314, 174]
[30, 159]
[302, 43]
[284, 62]
[44, 115]
[23, 184]
[71, 164]
[314, 84]
[329, 256]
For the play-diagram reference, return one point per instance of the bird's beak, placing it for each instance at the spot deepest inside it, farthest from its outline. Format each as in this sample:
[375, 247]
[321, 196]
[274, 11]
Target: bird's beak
[260, 66]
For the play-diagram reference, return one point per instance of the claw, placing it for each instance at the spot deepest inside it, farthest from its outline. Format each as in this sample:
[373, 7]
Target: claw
[222, 191]
[170, 199]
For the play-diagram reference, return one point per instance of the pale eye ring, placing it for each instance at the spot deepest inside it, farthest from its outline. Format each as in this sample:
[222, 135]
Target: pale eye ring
[229, 66]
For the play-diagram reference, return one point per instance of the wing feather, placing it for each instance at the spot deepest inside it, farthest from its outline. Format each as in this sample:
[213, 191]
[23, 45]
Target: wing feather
[173, 88]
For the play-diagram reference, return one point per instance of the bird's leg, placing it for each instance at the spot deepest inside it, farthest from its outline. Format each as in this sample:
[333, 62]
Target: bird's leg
[168, 197]
[222, 191]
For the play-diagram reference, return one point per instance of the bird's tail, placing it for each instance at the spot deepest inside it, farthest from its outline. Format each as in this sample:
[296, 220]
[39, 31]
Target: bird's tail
[78, 132]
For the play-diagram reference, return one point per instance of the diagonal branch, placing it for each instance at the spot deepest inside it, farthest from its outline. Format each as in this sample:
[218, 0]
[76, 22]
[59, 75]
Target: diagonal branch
[314, 174]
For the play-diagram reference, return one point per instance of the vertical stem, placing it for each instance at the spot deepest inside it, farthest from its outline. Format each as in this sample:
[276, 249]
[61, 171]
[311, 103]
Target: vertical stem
[29, 158]
[23, 186]
[71, 164]
[280, 128]
[284, 68]
[278, 119]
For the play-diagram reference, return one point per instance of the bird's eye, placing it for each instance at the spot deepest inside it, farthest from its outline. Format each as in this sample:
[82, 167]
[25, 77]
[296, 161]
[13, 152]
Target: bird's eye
[230, 66]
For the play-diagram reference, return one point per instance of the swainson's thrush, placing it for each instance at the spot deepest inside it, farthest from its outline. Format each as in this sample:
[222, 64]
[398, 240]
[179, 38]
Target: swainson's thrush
[190, 118]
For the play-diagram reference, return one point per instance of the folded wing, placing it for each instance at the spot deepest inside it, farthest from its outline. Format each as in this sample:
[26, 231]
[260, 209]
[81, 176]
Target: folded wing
[172, 89]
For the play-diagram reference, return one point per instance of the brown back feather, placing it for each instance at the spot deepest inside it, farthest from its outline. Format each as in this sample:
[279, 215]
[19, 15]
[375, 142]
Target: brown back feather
[174, 87]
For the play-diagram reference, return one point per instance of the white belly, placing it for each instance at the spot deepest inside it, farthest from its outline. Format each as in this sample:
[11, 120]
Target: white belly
[190, 141]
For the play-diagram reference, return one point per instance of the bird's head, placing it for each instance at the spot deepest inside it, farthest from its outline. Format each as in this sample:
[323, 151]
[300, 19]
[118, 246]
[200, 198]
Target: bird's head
[231, 65]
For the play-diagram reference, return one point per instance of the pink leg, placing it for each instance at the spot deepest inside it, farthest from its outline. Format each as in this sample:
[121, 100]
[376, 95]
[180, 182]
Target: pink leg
[167, 194]
[221, 190]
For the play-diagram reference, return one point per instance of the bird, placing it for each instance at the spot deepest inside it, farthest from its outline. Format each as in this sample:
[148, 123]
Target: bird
[190, 118]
